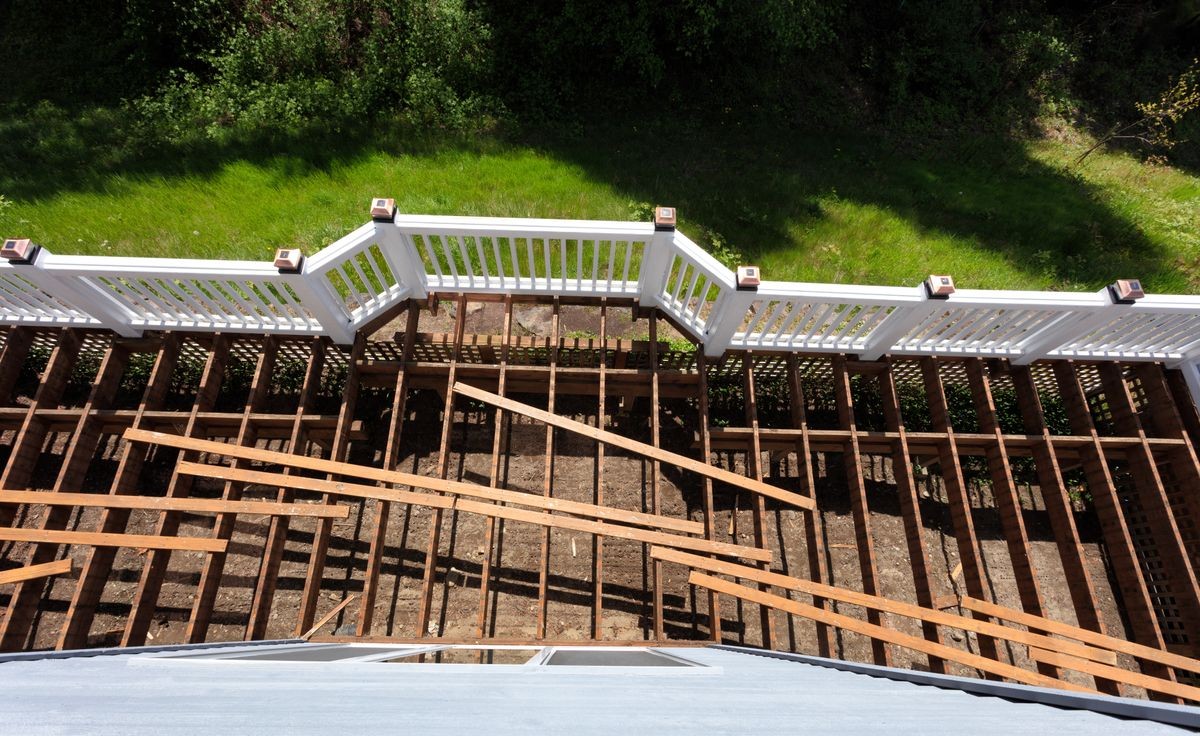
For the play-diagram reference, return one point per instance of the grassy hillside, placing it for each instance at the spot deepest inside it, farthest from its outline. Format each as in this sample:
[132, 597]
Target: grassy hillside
[848, 208]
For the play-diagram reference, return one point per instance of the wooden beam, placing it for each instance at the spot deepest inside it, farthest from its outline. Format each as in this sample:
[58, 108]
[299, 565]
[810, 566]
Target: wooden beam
[23, 604]
[754, 466]
[924, 614]
[656, 473]
[897, 638]
[36, 572]
[814, 531]
[96, 539]
[341, 444]
[145, 600]
[909, 500]
[391, 457]
[547, 479]
[1133, 649]
[165, 503]
[1118, 543]
[214, 565]
[859, 508]
[1004, 494]
[1152, 684]
[498, 435]
[710, 521]
[425, 606]
[1160, 516]
[640, 448]
[1059, 509]
[437, 485]
[598, 495]
[277, 533]
[99, 560]
[961, 515]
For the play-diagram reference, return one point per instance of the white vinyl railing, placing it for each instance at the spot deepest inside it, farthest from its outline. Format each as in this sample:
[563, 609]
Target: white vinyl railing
[382, 263]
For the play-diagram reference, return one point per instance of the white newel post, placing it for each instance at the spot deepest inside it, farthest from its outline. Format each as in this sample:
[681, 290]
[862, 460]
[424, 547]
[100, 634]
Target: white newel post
[657, 260]
[1191, 374]
[101, 306]
[318, 299]
[731, 309]
[399, 249]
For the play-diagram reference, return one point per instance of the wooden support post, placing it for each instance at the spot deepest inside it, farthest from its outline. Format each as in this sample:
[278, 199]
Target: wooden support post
[1008, 503]
[498, 445]
[710, 522]
[98, 563]
[341, 445]
[155, 569]
[214, 565]
[852, 463]
[754, 466]
[391, 458]
[1122, 554]
[655, 472]
[1059, 509]
[22, 606]
[1160, 516]
[548, 479]
[425, 610]
[956, 490]
[598, 496]
[910, 506]
[814, 533]
[273, 548]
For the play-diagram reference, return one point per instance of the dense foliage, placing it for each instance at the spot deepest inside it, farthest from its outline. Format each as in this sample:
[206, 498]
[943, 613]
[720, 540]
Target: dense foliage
[210, 68]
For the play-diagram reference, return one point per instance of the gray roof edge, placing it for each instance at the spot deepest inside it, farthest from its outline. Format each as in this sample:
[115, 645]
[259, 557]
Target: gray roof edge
[1175, 715]
[113, 651]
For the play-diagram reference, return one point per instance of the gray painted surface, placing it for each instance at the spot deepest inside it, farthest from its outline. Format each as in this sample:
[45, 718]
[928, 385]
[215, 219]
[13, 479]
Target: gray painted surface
[741, 693]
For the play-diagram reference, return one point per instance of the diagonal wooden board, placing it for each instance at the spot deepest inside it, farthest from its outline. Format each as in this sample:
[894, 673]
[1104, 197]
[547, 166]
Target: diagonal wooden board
[168, 503]
[1116, 674]
[950, 654]
[563, 522]
[1141, 651]
[33, 572]
[883, 604]
[641, 448]
[395, 476]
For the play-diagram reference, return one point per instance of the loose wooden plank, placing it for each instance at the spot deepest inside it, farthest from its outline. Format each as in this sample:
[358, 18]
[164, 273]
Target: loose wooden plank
[640, 448]
[458, 488]
[1152, 684]
[99, 539]
[921, 613]
[35, 572]
[445, 503]
[897, 638]
[1133, 649]
[613, 530]
[166, 503]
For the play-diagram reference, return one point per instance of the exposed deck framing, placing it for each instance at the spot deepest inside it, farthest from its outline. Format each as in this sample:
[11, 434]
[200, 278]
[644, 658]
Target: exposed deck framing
[1132, 432]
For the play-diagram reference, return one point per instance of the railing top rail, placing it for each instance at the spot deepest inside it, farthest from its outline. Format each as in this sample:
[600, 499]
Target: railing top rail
[867, 295]
[437, 224]
[181, 267]
[702, 258]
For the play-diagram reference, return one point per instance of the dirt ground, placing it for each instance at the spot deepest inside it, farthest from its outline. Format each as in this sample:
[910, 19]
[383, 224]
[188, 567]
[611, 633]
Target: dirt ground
[517, 548]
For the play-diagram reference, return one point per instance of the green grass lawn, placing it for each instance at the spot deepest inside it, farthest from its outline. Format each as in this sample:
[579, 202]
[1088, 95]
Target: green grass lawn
[847, 208]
